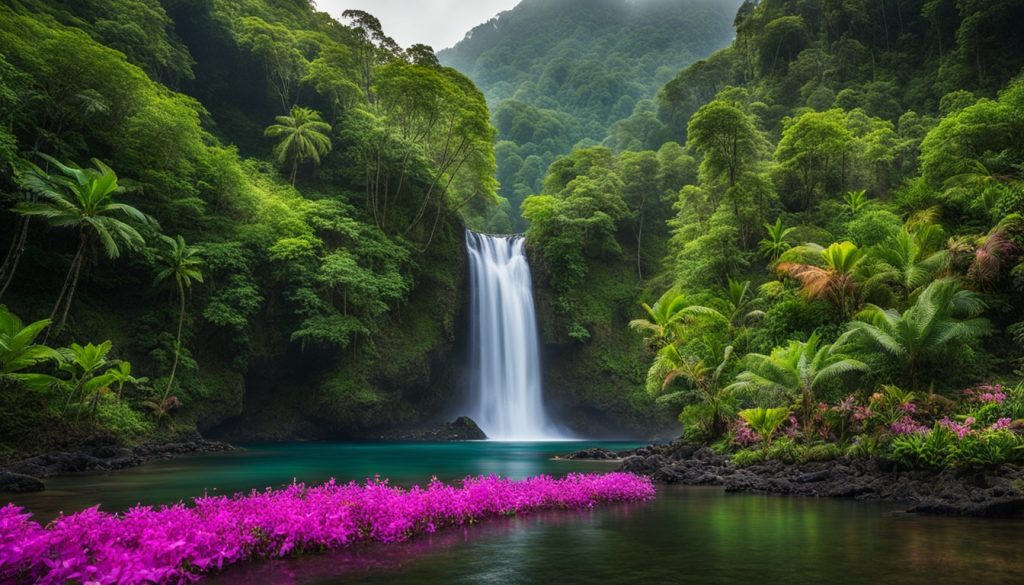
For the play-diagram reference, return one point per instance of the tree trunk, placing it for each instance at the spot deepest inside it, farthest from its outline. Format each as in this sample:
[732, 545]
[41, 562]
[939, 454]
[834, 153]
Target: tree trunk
[10, 265]
[70, 281]
[177, 342]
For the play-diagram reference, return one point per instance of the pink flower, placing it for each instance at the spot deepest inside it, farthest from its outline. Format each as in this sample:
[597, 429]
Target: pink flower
[909, 407]
[961, 429]
[742, 434]
[1001, 424]
[987, 393]
[907, 426]
[862, 413]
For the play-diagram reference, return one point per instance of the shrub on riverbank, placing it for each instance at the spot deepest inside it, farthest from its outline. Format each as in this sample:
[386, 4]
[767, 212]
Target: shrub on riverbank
[177, 543]
[982, 430]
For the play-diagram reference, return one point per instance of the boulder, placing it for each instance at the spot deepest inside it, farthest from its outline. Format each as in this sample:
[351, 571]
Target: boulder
[17, 483]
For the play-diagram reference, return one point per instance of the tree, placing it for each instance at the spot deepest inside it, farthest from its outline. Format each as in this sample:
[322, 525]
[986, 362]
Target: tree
[82, 199]
[856, 201]
[775, 244]
[800, 369]
[182, 263]
[729, 141]
[666, 311]
[302, 136]
[944, 317]
[813, 156]
[842, 278]
[736, 303]
[914, 258]
[704, 374]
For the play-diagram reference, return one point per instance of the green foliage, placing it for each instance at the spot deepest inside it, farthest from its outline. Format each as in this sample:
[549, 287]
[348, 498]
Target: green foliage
[748, 457]
[558, 75]
[940, 448]
[765, 421]
[942, 322]
[302, 136]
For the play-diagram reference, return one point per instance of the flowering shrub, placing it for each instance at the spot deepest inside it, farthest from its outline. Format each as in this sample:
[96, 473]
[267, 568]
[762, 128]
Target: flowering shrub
[986, 394]
[907, 426]
[952, 444]
[176, 543]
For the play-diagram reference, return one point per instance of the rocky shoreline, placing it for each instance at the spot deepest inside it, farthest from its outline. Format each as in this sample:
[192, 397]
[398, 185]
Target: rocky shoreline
[26, 475]
[995, 492]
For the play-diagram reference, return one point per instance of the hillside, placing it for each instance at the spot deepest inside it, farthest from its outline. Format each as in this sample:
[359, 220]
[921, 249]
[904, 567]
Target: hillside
[234, 253]
[558, 72]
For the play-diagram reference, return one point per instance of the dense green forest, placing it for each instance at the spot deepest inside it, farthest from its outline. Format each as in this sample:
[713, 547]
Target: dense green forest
[563, 73]
[247, 217]
[248, 199]
[846, 246]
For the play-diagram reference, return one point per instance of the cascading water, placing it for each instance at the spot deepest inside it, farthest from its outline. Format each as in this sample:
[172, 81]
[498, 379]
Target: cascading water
[505, 364]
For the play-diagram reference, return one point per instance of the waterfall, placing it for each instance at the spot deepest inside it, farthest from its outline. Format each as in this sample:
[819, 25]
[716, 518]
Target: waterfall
[505, 361]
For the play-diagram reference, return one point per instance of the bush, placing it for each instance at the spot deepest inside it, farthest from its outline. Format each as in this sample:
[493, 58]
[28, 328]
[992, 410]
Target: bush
[120, 418]
[940, 448]
[864, 447]
[785, 450]
[747, 458]
[822, 452]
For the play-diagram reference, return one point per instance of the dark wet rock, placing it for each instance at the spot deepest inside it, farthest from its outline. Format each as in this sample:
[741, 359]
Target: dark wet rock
[995, 492]
[112, 458]
[17, 483]
[460, 429]
[595, 454]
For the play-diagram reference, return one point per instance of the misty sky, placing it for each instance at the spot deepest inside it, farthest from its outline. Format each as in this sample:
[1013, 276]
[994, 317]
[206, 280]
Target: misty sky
[438, 23]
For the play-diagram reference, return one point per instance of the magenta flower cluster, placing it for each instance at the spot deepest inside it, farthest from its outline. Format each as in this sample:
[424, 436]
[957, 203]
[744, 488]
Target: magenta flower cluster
[960, 429]
[743, 435]
[173, 544]
[987, 394]
[907, 426]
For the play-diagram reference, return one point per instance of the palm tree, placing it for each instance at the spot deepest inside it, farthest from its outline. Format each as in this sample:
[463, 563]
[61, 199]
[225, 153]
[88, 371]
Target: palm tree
[912, 258]
[658, 326]
[303, 136]
[775, 244]
[18, 350]
[799, 369]
[765, 421]
[704, 374]
[944, 314]
[856, 201]
[82, 199]
[737, 312]
[182, 263]
[843, 278]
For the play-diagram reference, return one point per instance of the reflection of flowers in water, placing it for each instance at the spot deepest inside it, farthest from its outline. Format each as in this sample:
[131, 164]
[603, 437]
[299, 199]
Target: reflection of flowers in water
[506, 533]
[174, 543]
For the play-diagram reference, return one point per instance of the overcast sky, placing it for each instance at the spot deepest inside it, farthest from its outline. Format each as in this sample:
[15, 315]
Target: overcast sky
[438, 23]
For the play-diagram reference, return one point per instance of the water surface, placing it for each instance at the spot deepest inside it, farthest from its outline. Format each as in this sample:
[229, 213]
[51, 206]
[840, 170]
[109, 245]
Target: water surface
[686, 535]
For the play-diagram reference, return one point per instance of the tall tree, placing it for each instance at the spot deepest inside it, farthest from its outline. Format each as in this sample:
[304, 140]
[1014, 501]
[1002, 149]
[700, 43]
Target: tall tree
[182, 263]
[82, 199]
[302, 135]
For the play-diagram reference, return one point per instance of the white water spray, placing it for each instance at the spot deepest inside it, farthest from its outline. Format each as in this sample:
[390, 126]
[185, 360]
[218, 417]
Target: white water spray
[505, 363]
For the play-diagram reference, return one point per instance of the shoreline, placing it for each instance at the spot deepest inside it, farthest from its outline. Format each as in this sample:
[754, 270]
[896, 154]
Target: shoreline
[27, 474]
[989, 493]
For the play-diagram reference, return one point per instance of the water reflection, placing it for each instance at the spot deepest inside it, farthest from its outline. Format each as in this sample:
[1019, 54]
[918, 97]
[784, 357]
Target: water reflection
[687, 535]
[260, 466]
